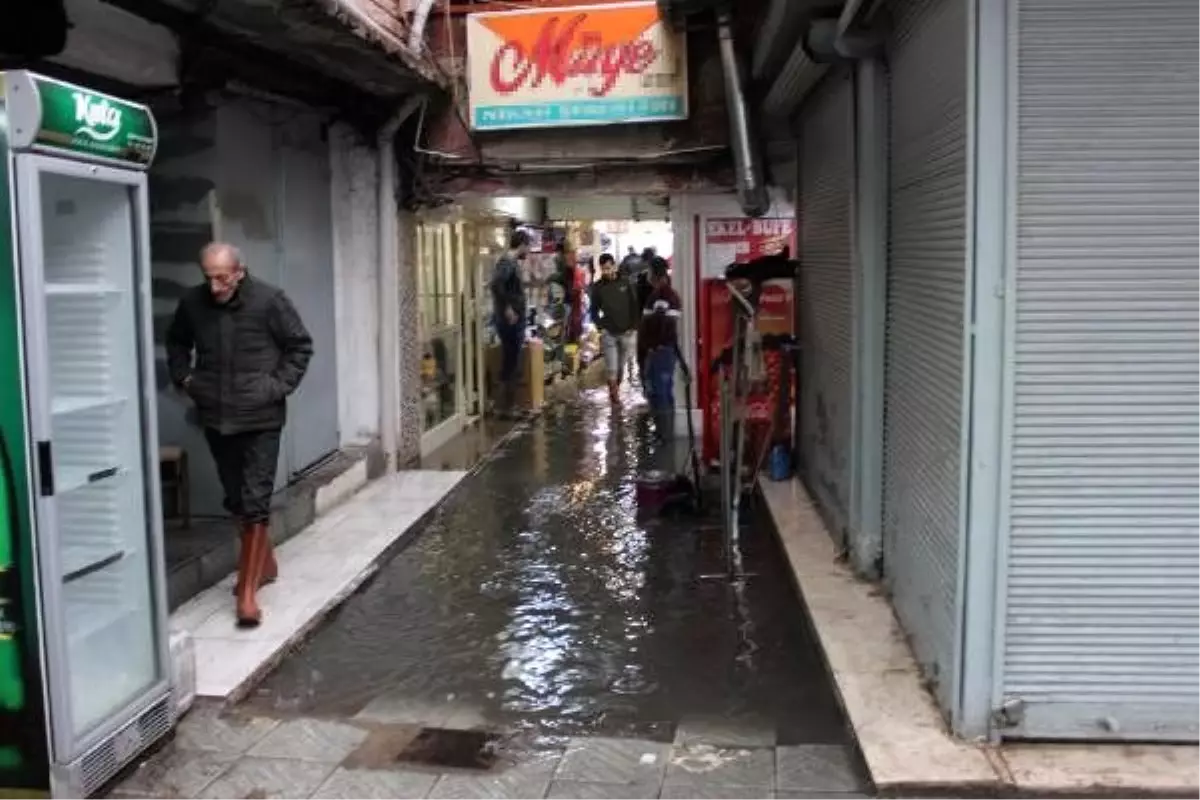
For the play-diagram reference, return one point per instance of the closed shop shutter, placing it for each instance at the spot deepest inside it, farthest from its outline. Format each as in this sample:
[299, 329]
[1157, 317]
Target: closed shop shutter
[1102, 564]
[826, 293]
[924, 337]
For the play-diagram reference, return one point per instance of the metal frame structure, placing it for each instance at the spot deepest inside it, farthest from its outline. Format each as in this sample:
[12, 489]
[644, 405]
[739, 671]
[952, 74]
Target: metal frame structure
[734, 390]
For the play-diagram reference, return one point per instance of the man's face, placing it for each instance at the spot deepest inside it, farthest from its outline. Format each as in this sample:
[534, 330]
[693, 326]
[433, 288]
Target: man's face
[222, 273]
[608, 268]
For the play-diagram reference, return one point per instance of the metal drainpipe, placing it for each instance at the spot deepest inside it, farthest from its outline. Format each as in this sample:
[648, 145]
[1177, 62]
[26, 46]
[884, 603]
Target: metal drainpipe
[850, 11]
[752, 192]
[389, 285]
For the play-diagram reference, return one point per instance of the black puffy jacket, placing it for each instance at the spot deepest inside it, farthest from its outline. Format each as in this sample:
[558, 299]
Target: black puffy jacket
[250, 354]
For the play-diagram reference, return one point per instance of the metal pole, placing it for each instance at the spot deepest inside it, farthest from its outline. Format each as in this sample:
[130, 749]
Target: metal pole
[740, 395]
[723, 388]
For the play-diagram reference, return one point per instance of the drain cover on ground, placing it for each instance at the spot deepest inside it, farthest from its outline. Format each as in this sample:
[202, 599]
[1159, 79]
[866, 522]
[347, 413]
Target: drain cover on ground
[439, 747]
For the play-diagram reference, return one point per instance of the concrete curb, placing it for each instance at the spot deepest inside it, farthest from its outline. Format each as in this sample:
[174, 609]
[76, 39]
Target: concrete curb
[294, 509]
[898, 727]
[358, 581]
[345, 488]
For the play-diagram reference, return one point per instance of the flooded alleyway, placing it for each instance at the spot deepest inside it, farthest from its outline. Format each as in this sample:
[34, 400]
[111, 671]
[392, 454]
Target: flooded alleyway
[535, 600]
[537, 639]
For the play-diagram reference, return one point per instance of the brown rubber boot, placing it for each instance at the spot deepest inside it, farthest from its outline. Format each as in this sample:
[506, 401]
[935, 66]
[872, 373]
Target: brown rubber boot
[270, 571]
[250, 570]
[614, 394]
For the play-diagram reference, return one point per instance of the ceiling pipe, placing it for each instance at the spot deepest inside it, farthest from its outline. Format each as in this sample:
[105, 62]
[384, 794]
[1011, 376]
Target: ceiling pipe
[780, 28]
[750, 177]
[829, 35]
[752, 191]
[849, 16]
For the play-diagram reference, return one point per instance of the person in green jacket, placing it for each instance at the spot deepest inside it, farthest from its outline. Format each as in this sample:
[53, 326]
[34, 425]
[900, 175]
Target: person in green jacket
[616, 313]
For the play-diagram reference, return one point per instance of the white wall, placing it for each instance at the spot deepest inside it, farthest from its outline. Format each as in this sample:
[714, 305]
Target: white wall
[354, 182]
[640, 235]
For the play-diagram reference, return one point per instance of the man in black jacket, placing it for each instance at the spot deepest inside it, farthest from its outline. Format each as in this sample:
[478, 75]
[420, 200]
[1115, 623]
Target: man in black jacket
[508, 307]
[615, 310]
[251, 351]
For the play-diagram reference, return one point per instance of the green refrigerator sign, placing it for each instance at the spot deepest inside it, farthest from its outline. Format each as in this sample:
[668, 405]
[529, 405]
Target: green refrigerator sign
[45, 114]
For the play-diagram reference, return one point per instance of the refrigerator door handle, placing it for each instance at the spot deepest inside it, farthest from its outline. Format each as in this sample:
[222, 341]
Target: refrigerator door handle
[45, 460]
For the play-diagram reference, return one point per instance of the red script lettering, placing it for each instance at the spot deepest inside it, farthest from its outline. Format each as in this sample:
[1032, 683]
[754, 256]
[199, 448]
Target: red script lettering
[561, 53]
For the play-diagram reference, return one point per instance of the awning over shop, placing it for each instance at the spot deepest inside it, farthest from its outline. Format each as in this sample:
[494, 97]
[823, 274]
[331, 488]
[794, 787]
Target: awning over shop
[323, 52]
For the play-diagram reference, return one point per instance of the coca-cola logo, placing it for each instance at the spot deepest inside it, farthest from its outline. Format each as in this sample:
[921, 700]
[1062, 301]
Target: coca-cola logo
[569, 49]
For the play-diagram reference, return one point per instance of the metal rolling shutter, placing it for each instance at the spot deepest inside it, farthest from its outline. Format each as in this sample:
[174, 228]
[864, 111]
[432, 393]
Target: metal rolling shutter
[1102, 566]
[924, 340]
[826, 174]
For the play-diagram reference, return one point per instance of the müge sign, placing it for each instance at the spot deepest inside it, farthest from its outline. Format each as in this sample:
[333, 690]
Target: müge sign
[591, 65]
[597, 65]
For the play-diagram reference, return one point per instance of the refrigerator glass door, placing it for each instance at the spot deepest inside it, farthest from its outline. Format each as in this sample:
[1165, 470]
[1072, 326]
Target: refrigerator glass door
[80, 241]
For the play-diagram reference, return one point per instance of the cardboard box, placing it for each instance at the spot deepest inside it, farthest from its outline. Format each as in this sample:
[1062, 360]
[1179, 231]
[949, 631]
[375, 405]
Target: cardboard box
[531, 374]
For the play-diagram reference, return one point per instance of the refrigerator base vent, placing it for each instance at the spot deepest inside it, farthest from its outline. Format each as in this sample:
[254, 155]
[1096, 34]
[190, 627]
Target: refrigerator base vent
[91, 771]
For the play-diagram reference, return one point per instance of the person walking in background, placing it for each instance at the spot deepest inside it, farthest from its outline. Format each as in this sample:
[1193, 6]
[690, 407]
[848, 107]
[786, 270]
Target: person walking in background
[615, 311]
[630, 264]
[641, 292]
[658, 334]
[563, 261]
[575, 300]
[564, 279]
[237, 348]
[508, 307]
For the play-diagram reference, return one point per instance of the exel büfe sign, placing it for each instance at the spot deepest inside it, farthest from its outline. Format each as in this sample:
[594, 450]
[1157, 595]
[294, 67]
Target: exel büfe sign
[45, 114]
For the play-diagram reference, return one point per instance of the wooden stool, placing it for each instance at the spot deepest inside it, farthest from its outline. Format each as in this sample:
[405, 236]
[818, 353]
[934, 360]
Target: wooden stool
[173, 473]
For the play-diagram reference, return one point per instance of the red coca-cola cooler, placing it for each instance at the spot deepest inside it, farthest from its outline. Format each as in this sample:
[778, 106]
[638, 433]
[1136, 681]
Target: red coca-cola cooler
[774, 323]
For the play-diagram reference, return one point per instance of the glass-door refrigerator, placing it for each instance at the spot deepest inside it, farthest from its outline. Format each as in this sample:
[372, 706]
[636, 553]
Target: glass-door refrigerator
[84, 662]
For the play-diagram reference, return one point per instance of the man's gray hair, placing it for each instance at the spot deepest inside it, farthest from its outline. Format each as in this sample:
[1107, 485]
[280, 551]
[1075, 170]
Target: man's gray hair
[221, 249]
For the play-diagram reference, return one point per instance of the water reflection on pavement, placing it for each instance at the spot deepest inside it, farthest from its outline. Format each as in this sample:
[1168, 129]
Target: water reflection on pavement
[534, 600]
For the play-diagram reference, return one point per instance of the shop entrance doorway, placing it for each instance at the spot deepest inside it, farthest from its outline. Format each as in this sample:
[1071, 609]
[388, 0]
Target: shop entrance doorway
[439, 302]
[455, 254]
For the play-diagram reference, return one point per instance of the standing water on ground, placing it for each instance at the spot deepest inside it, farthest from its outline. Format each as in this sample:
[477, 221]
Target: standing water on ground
[535, 600]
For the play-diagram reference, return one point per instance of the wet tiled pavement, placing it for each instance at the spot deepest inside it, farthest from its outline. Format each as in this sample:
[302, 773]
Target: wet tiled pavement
[534, 604]
[534, 600]
[238, 757]
[217, 755]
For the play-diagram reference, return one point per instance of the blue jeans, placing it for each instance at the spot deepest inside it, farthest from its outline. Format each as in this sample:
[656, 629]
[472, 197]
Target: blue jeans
[660, 378]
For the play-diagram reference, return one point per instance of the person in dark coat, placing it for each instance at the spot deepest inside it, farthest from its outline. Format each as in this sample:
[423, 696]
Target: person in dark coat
[630, 264]
[658, 334]
[615, 310]
[508, 309]
[642, 289]
[237, 348]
